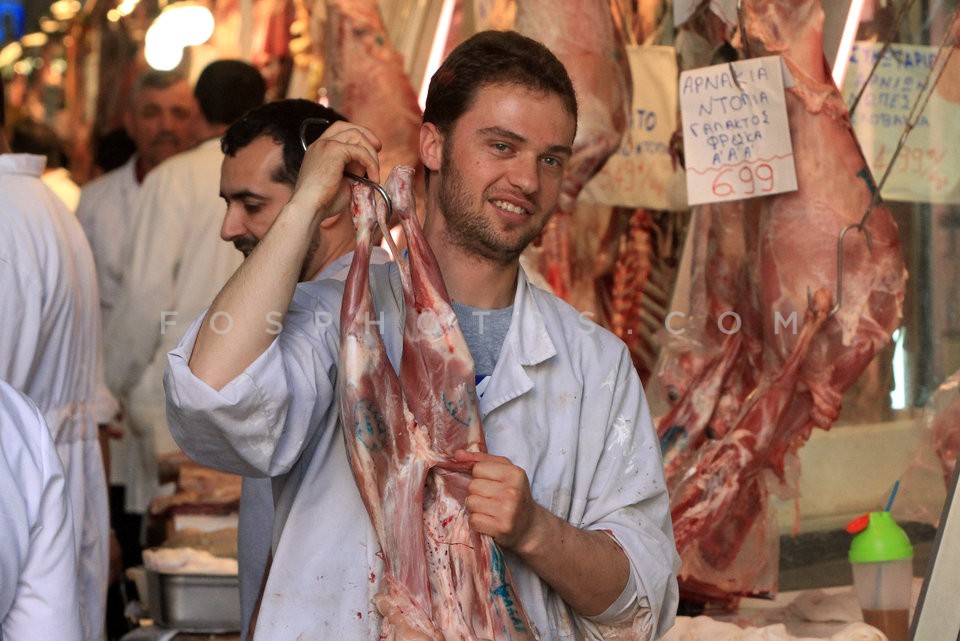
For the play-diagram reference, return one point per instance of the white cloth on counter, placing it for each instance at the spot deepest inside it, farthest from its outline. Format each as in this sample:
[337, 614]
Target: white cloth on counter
[187, 561]
[50, 350]
[38, 556]
[818, 605]
[564, 403]
[704, 628]
[830, 613]
[177, 264]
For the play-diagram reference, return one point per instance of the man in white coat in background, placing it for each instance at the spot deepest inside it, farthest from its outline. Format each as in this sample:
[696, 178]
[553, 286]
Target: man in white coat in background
[50, 351]
[34, 137]
[38, 558]
[177, 262]
[263, 152]
[159, 120]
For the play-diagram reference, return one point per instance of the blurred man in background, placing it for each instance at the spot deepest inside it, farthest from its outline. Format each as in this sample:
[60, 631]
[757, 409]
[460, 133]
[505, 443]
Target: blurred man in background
[159, 123]
[159, 120]
[50, 351]
[176, 263]
[33, 137]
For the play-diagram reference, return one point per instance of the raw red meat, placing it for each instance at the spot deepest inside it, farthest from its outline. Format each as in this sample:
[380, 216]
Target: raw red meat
[442, 579]
[365, 76]
[582, 35]
[743, 399]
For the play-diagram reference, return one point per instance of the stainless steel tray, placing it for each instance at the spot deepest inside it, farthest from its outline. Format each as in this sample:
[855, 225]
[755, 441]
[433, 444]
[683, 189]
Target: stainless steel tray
[194, 602]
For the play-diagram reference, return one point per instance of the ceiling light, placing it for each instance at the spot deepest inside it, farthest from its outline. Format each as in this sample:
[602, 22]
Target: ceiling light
[161, 48]
[35, 39]
[10, 54]
[179, 25]
[65, 9]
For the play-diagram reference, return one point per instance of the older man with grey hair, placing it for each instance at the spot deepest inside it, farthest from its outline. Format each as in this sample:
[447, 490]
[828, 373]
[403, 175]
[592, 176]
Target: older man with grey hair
[176, 262]
[159, 120]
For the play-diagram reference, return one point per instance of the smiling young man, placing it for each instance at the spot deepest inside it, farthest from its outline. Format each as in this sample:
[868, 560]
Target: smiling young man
[572, 488]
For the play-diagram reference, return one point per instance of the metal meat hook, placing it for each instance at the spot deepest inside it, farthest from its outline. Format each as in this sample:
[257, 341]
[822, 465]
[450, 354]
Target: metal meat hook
[323, 122]
[862, 229]
[743, 41]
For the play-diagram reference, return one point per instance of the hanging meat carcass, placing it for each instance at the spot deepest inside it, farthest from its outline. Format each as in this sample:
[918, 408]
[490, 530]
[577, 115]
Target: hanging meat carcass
[634, 272]
[758, 361]
[494, 14]
[442, 579]
[583, 37]
[366, 80]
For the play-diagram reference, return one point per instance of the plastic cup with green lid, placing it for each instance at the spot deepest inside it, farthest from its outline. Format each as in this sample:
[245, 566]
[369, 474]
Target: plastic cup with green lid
[882, 560]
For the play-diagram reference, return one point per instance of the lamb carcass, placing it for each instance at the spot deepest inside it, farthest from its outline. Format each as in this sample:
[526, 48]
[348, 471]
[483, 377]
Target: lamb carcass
[366, 80]
[442, 579]
[761, 362]
[582, 35]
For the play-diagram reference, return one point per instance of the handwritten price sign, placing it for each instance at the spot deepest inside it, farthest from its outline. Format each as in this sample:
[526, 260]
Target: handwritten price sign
[641, 173]
[735, 134]
[745, 182]
[926, 168]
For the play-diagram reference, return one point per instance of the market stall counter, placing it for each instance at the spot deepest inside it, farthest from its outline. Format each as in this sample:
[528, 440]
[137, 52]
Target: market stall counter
[829, 614]
[155, 633]
[188, 586]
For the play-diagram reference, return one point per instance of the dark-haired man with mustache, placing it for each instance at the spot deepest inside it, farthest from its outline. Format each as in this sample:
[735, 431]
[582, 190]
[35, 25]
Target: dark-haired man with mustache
[262, 157]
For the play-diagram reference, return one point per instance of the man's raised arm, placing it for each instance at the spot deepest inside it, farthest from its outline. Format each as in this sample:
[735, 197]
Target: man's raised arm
[242, 321]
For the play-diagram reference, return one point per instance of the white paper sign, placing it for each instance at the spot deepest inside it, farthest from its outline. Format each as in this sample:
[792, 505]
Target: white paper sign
[683, 10]
[736, 139]
[927, 169]
[642, 172]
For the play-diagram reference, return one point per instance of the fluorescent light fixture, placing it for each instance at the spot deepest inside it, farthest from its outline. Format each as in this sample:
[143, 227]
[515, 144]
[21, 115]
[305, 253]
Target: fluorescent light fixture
[436, 50]
[179, 25]
[850, 28]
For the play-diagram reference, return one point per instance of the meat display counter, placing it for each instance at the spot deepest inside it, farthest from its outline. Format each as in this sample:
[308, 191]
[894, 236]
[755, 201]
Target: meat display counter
[830, 614]
[154, 633]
